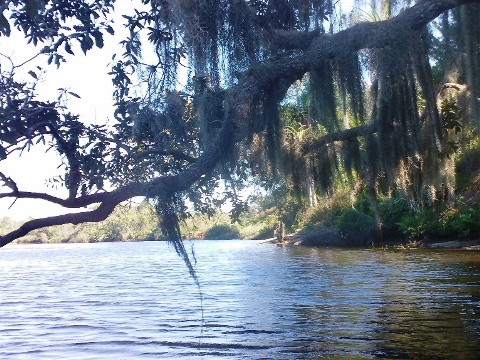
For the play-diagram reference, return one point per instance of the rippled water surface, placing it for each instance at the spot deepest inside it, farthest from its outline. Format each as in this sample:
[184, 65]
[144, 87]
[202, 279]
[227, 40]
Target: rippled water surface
[137, 300]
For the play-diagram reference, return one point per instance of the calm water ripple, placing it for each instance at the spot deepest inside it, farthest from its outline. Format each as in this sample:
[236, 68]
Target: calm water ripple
[137, 300]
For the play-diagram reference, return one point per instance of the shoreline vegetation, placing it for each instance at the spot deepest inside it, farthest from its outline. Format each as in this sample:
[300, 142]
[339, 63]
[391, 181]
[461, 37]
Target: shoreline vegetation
[301, 239]
[339, 221]
[304, 239]
[344, 219]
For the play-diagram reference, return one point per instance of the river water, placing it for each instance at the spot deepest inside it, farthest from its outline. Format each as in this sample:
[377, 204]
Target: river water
[258, 301]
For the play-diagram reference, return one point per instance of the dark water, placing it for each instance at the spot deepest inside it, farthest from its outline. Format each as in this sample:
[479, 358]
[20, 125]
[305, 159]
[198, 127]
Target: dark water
[136, 300]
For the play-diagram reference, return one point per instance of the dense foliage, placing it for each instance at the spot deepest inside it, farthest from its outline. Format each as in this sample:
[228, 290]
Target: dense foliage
[295, 95]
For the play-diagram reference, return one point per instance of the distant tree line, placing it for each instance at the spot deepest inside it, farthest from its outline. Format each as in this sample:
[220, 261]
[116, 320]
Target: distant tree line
[133, 223]
[126, 223]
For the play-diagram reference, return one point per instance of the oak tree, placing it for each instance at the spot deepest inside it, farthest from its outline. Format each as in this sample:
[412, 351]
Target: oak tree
[375, 87]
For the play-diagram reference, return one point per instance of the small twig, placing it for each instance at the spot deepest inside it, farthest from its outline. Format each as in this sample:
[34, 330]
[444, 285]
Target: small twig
[13, 203]
[8, 181]
[13, 66]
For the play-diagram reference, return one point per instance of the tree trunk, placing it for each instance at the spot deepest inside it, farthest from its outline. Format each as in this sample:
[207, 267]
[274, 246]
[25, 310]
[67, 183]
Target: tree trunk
[312, 198]
[372, 197]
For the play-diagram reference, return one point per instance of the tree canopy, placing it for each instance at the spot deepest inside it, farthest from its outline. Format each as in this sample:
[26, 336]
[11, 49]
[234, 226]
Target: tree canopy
[383, 93]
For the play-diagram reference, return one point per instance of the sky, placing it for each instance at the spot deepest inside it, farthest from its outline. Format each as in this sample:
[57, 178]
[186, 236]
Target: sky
[85, 75]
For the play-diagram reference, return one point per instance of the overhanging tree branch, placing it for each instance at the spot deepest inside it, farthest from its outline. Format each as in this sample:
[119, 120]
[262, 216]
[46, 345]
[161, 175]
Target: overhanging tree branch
[241, 100]
[344, 135]
[99, 214]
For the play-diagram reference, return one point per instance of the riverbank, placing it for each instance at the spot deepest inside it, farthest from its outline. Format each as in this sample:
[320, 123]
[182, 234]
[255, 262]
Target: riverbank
[324, 240]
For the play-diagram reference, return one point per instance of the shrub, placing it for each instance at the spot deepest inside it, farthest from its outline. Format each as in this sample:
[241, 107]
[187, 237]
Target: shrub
[392, 211]
[413, 225]
[462, 222]
[362, 203]
[222, 232]
[356, 227]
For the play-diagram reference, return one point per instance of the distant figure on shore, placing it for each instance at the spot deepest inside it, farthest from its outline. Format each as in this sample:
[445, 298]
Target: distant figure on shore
[279, 232]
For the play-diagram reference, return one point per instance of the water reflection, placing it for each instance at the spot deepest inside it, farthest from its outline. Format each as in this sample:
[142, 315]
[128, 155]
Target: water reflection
[123, 301]
[425, 315]
[401, 305]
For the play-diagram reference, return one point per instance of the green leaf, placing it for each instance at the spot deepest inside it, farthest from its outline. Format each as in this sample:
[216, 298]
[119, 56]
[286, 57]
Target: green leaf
[97, 35]
[41, 139]
[110, 30]
[68, 48]
[73, 94]
[86, 43]
[3, 153]
[32, 74]
[4, 25]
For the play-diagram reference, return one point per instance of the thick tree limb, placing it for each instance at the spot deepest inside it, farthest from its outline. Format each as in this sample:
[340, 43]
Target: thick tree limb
[242, 98]
[344, 135]
[99, 214]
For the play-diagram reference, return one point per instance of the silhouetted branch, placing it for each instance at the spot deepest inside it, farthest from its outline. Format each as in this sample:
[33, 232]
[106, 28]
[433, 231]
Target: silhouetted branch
[99, 214]
[8, 182]
[240, 100]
